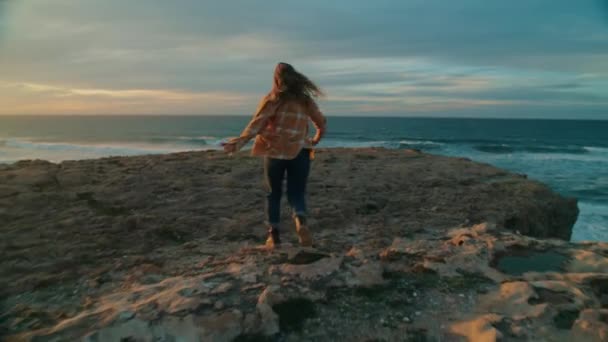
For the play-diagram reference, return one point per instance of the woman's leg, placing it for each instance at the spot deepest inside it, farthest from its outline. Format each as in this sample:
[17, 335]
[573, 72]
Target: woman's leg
[274, 171]
[297, 177]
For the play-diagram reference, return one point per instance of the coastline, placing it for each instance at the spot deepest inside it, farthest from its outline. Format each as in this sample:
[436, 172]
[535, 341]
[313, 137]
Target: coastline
[106, 229]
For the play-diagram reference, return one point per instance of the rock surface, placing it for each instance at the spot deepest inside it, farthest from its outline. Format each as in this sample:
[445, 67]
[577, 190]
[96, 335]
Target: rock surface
[164, 248]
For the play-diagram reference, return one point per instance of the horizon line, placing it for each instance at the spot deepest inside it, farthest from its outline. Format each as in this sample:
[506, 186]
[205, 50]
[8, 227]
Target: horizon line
[329, 116]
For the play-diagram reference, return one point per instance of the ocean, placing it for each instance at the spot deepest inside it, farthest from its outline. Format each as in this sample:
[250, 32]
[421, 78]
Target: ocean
[571, 156]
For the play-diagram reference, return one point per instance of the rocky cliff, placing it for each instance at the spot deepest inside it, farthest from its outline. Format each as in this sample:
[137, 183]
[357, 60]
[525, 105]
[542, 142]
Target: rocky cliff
[408, 246]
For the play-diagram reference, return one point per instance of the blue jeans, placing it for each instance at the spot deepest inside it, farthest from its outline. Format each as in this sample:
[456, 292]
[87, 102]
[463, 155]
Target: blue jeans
[297, 170]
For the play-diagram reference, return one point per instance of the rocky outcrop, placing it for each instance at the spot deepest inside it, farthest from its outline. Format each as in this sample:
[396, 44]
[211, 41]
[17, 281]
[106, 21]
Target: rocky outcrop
[469, 283]
[166, 247]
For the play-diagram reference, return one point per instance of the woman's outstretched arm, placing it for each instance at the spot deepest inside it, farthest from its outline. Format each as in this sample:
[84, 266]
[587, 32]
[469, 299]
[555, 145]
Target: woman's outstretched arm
[266, 109]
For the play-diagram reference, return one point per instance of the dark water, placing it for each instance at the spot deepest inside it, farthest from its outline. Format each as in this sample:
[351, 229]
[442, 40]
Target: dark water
[571, 156]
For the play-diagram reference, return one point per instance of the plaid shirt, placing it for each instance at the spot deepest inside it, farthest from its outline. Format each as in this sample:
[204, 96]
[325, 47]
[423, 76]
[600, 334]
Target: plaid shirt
[281, 129]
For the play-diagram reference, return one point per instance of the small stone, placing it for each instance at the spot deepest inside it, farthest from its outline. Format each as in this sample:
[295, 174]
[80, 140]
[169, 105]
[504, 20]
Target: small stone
[125, 315]
[461, 295]
[222, 288]
[186, 292]
[406, 319]
[93, 283]
[518, 331]
[219, 305]
[253, 287]
[249, 278]
[190, 245]
[203, 262]
[151, 279]
[418, 313]
[131, 223]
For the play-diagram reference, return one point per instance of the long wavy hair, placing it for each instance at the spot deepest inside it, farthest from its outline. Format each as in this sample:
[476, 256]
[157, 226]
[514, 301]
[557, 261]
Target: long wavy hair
[289, 83]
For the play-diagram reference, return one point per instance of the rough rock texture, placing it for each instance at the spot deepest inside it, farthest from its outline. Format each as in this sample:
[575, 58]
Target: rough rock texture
[164, 248]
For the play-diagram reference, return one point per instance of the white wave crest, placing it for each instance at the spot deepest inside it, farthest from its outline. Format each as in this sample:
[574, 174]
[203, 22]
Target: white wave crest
[18, 149]
[596, 149]
[420, 142]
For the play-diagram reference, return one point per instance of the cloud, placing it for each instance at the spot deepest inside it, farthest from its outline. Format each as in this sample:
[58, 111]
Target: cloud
[471, 53]
[32, 98]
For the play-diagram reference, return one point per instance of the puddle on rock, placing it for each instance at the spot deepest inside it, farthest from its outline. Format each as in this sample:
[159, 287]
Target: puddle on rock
[293, 313]
[565, 319]
[517, 262]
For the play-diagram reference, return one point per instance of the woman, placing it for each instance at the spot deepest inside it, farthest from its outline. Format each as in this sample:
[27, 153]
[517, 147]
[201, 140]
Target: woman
[280, 126]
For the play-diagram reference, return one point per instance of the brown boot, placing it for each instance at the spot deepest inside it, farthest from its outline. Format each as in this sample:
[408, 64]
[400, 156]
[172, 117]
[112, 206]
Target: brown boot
[274, 238]
[303, 231]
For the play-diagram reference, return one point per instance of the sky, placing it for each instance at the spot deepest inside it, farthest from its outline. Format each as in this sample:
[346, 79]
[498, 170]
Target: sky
[436, 58]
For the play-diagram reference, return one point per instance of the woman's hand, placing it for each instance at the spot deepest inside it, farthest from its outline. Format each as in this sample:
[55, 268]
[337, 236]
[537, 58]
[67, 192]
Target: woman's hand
[229, 147]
